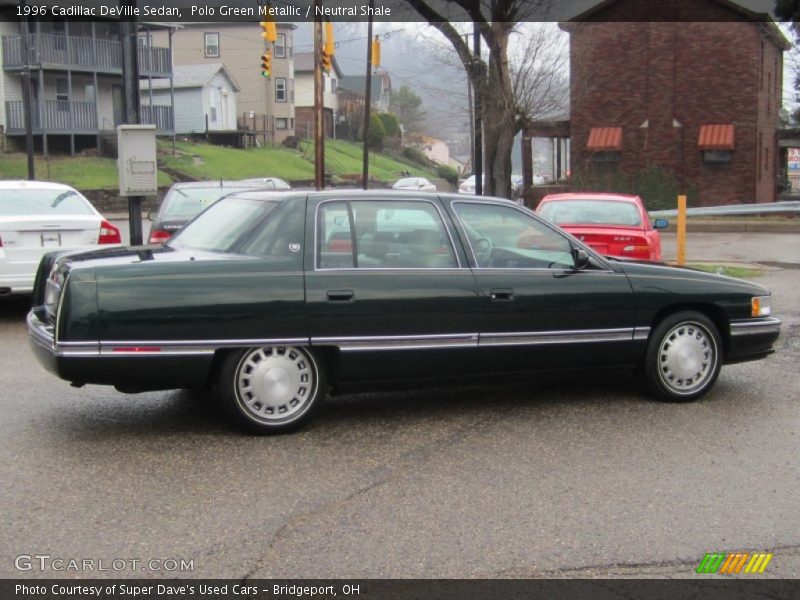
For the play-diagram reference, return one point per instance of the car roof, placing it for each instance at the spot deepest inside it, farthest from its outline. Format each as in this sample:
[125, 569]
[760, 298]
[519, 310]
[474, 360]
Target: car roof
[383, 195]
[592, 196]
[13, 184]
[221, 183]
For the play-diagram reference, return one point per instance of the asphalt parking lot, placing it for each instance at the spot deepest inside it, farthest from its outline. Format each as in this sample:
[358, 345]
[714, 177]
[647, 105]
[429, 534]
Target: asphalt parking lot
[580, 478]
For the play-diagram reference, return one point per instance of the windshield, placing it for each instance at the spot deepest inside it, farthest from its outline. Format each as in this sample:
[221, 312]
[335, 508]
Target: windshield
[223, 225]
[592, 212]
[41, 202]
[185, 203]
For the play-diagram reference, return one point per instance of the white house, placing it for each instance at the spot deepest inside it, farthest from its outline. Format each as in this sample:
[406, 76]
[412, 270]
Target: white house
[205, 97]
[304, 94]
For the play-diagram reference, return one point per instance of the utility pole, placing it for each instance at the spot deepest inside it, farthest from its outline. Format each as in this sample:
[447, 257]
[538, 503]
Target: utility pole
[26, 98]
[478, 150]
[130, 87]
[471, 113]
[319, 131]
[367, 99]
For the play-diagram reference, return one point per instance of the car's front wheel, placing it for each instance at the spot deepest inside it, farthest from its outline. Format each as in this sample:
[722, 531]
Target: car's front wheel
[684, 356]
[271, 389]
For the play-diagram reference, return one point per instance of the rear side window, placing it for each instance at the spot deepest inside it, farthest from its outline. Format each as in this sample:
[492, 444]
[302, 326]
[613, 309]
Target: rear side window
[383, 235]
[42, 202]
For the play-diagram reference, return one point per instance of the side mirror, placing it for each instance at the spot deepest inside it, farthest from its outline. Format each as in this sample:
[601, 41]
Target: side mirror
[580, 258]
[660, 224]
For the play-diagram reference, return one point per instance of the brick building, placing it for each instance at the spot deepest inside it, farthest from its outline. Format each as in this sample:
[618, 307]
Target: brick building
[691, 86]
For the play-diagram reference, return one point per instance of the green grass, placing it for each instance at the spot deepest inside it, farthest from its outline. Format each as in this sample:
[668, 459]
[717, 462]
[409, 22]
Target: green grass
[81, 172]
[729, 270]
[204, 161]
[346, 158]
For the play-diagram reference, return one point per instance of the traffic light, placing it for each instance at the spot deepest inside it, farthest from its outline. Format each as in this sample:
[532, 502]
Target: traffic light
[266, 64]
[329, 48]
[376, 52]
[327, 61]
[270, 30]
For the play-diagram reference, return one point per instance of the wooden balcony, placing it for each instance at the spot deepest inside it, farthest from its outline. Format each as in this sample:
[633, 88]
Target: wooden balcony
[66, 52]
[56, 117]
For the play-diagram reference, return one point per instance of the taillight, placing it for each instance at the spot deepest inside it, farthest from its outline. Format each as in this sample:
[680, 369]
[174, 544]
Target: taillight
[109, 234]
[157, 236]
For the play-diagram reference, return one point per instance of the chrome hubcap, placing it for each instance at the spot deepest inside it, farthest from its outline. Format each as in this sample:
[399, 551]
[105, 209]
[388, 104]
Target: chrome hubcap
[687, 358]
[275, 383]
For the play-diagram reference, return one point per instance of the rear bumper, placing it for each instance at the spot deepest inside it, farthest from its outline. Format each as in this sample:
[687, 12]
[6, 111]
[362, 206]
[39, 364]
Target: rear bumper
[89, 362]
[751, 339]
[18, 284]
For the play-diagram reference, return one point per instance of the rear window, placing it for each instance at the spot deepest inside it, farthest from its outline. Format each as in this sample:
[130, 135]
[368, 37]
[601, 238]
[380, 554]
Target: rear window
[42, 202]
[185, 203]
[407, 183]
[224, 225]
[591, 212]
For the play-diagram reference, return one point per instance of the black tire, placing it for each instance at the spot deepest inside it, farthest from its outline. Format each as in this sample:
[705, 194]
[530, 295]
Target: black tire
[271, 389]
[683, 359]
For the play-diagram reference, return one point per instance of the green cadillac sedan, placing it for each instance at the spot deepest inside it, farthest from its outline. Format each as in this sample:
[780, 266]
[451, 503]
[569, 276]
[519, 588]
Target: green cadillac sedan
[275, 299]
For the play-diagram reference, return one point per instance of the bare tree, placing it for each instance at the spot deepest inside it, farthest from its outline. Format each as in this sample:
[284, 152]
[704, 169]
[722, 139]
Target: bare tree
[540, 71]
[492, 78]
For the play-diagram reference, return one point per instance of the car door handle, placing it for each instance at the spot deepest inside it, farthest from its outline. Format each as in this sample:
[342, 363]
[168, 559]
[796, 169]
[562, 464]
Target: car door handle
[340, 295]
[501, 295]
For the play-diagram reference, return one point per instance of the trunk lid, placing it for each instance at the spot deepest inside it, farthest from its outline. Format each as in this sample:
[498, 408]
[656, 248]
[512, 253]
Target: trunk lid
[28, 238]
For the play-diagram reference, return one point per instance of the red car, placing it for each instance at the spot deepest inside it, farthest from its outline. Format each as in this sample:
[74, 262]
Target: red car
[612, 224]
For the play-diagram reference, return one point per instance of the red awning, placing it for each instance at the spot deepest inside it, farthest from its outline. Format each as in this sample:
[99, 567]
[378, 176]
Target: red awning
[715, 137]
[605, 138]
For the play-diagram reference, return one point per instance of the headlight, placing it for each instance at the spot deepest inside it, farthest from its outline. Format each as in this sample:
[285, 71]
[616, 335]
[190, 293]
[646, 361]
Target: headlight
[52, 290]
[761, 306]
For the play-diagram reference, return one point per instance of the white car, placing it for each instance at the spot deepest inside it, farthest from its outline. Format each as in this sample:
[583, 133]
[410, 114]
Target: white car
[418, 184]
[37, 217]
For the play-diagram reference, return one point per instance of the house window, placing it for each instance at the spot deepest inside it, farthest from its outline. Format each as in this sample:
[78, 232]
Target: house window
[89, 94]
[333, 85]
[291, 91]
[280, 123]
[607, 156]
[211, 45]
[62, 94]
[280, 46]
[59, 30]
[717, 157]
[212, 104]
[280, 89]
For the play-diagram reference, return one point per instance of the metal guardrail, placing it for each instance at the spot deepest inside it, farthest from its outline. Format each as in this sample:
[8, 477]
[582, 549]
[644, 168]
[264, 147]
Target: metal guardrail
[791, 206]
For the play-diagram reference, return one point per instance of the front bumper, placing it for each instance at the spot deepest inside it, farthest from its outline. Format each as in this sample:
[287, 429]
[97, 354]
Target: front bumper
[751, 339]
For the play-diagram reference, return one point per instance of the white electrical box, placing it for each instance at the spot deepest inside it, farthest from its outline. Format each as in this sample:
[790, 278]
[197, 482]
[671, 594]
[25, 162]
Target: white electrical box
[138, 170]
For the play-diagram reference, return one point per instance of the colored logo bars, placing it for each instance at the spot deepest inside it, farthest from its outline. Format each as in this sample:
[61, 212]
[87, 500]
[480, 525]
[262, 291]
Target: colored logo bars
[736, 562]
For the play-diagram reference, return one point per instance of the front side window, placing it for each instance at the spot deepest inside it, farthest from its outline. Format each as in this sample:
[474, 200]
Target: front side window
[383, 235]
[502, 237]
[212, 45]
[280, 89]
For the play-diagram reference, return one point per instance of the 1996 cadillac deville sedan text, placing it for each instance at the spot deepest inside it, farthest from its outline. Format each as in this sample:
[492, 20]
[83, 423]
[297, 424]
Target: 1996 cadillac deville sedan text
[276, 298]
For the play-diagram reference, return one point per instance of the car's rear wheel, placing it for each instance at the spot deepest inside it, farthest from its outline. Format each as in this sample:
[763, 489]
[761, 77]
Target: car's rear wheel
[684, 356]
[271, 389]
